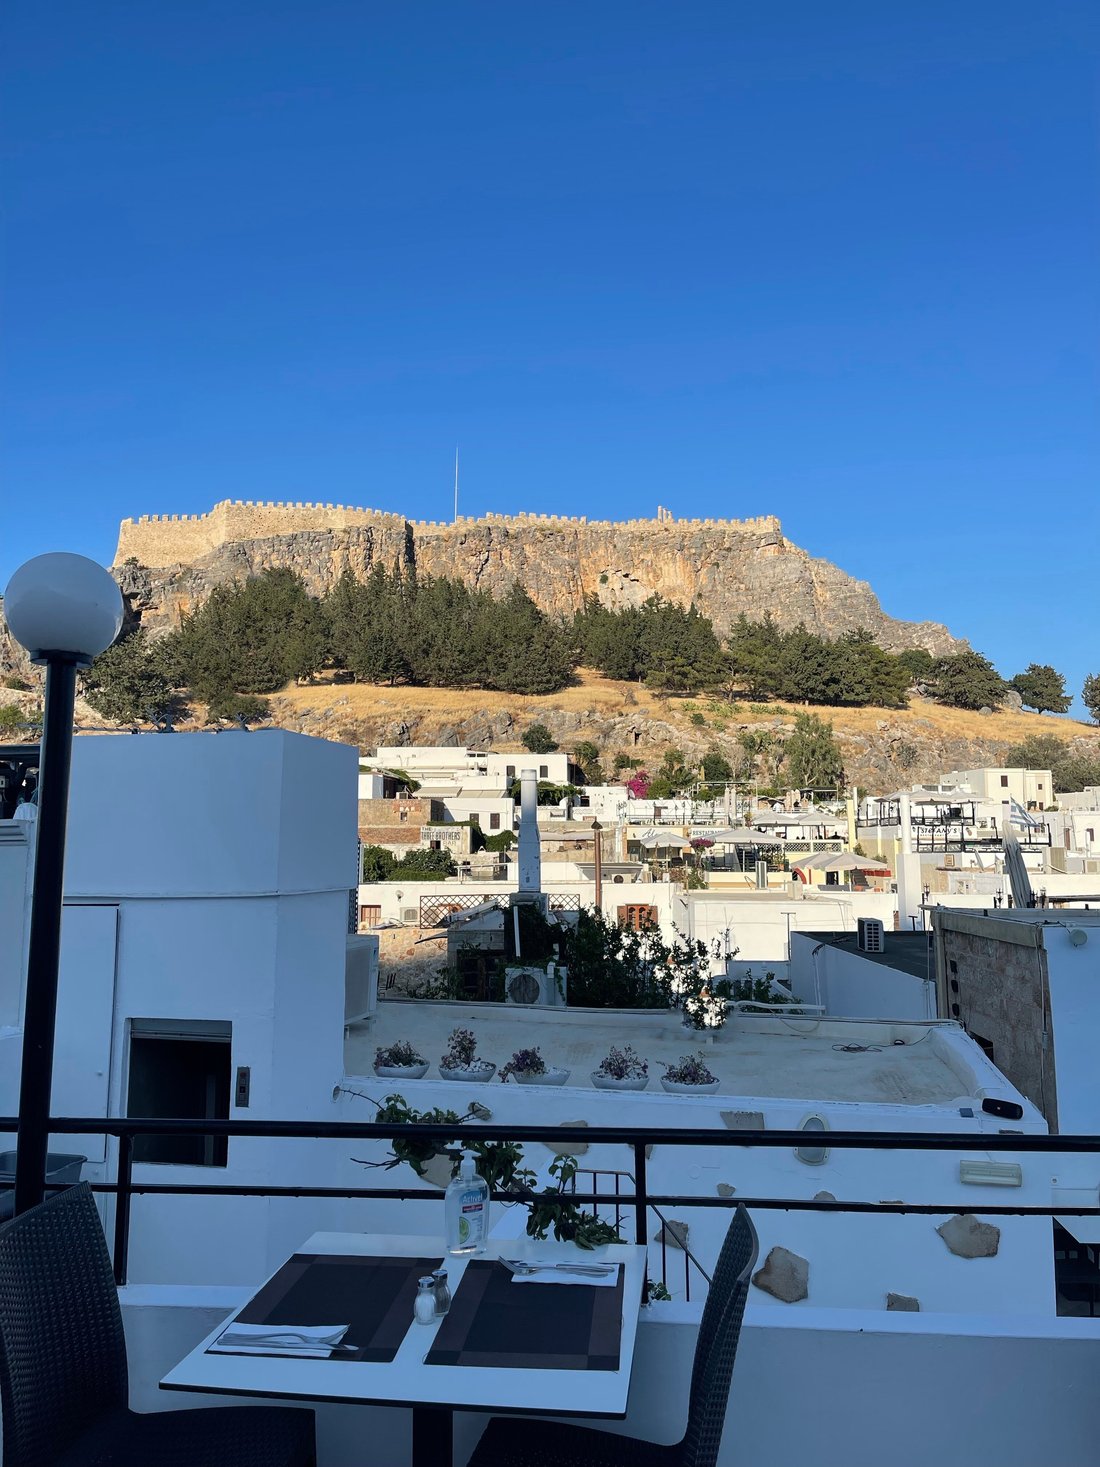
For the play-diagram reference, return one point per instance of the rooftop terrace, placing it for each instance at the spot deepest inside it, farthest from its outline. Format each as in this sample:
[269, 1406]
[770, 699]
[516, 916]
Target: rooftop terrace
[896, 1064]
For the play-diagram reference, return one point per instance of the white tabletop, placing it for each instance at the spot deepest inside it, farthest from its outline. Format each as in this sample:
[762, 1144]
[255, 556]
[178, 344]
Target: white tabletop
[407, 1380]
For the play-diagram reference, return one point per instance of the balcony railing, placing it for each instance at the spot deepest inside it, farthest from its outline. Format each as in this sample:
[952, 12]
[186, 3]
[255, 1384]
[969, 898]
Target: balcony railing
[635, 1202]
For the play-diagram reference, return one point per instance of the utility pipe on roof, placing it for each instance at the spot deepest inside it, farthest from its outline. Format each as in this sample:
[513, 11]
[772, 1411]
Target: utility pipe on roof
[530, 859]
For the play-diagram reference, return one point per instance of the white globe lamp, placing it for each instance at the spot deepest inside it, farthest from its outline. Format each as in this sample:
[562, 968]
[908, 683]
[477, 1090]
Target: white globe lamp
[63, 606]
[65, 610]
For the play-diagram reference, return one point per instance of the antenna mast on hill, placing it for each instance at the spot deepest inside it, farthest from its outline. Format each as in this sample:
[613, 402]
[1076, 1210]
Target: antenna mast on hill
[456, 484]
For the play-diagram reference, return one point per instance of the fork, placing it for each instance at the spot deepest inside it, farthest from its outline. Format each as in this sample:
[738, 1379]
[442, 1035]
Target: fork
[590, 1270]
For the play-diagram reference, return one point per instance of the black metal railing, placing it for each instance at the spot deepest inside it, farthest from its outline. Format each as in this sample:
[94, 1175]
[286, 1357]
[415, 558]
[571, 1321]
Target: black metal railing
[639, 1140]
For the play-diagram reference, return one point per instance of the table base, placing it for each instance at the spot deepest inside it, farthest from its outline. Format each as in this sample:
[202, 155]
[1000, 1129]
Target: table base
[432, 1436]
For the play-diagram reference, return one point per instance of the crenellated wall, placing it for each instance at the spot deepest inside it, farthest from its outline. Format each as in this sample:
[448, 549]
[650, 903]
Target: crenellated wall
[178, 539]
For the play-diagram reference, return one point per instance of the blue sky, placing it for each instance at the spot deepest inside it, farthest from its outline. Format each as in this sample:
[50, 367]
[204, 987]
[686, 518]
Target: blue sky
[833, 262]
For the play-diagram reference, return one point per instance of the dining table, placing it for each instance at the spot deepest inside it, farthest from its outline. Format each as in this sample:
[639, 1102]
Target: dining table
[549, 1342]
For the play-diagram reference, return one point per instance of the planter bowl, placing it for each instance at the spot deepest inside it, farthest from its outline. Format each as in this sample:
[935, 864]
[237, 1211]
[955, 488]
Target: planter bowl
[550, 1076]
[609, 1082]
[401, 1072]
[677, 1087]
[470, 1074]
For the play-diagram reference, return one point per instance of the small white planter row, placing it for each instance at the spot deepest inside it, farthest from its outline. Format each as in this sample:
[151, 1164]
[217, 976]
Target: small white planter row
[479, 1074]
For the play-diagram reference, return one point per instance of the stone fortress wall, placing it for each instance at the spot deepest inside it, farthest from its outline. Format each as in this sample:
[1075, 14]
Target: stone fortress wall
[164, 540]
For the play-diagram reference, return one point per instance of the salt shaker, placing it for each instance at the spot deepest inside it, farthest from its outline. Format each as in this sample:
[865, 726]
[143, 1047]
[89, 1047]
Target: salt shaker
[442, 1291]
[424, 1304]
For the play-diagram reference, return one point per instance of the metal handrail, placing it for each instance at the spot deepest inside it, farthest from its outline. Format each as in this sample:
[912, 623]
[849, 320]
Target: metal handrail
[637, 1138]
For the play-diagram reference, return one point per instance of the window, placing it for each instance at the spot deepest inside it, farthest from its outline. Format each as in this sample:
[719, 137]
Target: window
[369, 916]
[544, 770]
[985, 1045]
[1004, 781]
[180, 1068]
[509, 771]
[494, 822]
[638, 915]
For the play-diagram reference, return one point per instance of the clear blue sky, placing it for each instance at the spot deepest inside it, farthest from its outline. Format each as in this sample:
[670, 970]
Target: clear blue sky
[836, 262]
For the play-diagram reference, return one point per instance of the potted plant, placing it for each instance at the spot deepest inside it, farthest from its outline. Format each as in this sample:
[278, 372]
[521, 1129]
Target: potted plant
[527, 1067]
[621, 1069]
[461, 1061]
[400, 1061]
[689, 1076]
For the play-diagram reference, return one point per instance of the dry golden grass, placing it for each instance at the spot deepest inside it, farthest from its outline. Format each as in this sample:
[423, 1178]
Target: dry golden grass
[610, 699]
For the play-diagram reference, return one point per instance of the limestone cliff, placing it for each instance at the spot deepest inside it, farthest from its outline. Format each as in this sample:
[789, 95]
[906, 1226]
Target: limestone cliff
[167, 565]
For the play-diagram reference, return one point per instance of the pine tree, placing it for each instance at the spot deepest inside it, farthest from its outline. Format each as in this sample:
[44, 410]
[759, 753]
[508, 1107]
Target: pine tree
[813, 757]
[129, 682]
[1090, 696]
[1041, 688]
[967, 680]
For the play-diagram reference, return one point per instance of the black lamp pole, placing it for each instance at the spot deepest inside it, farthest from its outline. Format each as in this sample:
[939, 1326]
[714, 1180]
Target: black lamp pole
[36, 1079]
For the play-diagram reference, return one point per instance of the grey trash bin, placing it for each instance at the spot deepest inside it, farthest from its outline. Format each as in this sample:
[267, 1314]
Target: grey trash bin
[62, 1170]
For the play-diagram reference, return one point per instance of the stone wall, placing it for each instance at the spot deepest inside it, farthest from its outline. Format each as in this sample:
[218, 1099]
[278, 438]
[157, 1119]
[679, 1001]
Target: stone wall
[177, 539]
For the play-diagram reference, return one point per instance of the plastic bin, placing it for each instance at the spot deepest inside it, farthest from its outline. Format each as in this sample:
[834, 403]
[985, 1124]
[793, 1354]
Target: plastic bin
[62, 1170]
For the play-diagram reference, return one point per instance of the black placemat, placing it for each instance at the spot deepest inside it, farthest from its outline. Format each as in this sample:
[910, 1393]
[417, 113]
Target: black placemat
[494, 1322]
[374, 1296]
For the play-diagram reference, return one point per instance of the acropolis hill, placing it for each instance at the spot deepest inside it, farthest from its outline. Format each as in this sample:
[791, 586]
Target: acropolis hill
[169, 563]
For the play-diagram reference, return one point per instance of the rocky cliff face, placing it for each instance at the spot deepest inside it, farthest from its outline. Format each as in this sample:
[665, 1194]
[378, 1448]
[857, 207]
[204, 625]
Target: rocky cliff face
[725, 567]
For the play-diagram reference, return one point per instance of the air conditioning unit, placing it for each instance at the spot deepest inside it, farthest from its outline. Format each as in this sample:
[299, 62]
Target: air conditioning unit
[410, 914]
[531, 987]
[870, 935]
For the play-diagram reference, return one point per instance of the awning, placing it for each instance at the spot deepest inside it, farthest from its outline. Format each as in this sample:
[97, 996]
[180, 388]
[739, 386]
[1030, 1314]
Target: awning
[663, 840]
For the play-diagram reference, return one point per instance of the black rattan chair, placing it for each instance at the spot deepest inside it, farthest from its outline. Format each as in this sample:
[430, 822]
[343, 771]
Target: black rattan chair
[513, 1442]
[63, 1378]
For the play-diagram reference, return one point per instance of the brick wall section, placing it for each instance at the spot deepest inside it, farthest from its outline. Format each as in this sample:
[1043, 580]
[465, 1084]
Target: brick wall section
[396, 822]
[1003, 996]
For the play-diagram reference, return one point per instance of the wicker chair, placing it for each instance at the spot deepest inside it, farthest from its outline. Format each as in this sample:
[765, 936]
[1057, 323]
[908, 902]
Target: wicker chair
[512, 1442]
[63, 1380]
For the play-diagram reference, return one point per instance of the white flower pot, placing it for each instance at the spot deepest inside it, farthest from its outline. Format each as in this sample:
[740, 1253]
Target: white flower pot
[401, 1072]
[470, 1074]
[608, 1082]
[550, 1076]
[677, 1087]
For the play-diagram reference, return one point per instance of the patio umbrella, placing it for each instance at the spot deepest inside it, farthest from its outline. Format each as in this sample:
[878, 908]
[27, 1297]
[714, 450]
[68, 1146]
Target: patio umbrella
[842, 861]
[663, 839]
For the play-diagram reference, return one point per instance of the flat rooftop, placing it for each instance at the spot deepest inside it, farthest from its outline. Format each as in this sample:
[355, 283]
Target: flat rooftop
[752, 1056]
[908, 952]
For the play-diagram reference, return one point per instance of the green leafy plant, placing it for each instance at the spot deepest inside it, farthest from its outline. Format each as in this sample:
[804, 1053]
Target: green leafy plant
[552, 1211]
[401, 1055]
[689, 1069]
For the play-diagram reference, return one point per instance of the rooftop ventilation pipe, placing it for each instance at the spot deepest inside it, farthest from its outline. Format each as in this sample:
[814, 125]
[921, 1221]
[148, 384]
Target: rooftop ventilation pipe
[530, 858]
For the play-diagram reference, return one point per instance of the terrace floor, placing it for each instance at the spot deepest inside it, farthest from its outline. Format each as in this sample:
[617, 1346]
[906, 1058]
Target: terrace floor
[799, 1059]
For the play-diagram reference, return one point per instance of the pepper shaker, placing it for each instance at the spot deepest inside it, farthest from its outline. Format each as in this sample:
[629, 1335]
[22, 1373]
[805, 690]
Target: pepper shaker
[442, 1291]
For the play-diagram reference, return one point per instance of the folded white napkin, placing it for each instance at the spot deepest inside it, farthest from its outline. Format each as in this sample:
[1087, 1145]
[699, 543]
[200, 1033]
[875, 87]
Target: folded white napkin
[606, 1280]
[314, 1341]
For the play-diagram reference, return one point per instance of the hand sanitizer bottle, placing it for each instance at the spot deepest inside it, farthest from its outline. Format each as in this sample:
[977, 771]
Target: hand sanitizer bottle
[467, 1210]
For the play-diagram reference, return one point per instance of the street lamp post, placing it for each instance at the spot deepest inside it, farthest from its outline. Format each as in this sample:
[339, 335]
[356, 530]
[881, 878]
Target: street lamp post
[65, 610]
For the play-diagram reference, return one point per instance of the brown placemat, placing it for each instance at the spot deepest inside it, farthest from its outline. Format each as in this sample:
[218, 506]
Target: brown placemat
[373, 1295]
[493, 1322]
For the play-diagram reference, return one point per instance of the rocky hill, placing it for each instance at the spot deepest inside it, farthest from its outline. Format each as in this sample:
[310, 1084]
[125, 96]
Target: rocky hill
[167, 565]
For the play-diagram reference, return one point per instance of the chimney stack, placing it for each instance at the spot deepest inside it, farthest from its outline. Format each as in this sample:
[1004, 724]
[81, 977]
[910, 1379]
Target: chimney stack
[530, 855]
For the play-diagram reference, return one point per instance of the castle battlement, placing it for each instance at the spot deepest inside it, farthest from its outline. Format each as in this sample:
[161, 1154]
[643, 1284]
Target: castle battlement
[172, 539]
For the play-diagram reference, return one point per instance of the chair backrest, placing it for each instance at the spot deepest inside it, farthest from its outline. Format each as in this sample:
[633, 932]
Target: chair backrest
[717, 1344]
[62, 1349]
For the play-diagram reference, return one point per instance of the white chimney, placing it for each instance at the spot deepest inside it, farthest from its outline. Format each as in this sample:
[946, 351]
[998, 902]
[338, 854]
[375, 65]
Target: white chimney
[908, 872]
[530, 856]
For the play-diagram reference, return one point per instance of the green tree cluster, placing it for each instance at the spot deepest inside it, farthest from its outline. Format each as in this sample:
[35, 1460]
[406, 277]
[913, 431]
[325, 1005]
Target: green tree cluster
[664, 645]
[130, 682]
[1090, 696]
[967, 680]
[538, 739]
[613, 966]
[380, 864]
[801, 667]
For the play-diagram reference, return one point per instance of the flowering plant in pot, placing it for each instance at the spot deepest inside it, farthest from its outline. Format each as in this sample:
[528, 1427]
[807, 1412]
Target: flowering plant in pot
[689, 1075]
[461, 1061]
[621, 1069]
[527, 1067]
[400, 1061]
[704, 1010]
